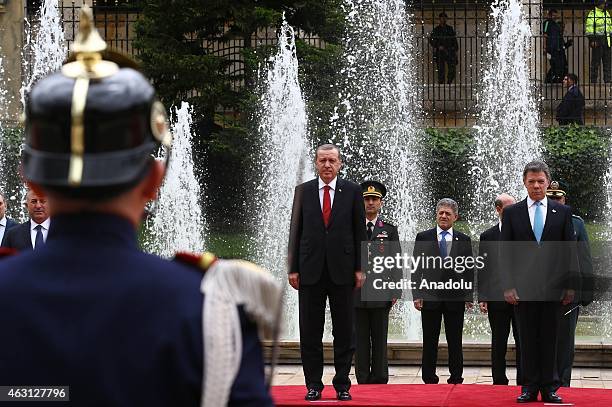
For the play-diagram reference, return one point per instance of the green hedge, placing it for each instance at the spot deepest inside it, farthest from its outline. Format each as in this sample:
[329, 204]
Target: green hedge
[446, 153]
[577, 156]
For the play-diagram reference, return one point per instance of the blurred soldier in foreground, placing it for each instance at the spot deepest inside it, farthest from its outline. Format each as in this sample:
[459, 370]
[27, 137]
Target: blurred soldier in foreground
[584, 296]
[90, 310]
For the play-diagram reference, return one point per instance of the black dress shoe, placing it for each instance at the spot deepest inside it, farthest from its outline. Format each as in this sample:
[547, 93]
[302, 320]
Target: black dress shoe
[527, 397]
[551, 397]
[344, 395]
[312, 395]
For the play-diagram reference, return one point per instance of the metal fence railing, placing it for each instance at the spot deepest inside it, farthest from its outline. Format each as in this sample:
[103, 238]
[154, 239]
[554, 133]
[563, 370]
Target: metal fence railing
[443, 105]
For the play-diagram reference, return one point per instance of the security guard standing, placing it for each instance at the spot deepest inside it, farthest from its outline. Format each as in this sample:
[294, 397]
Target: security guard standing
[372, 305]
[598, 27]
[89, 311]
[584, 296]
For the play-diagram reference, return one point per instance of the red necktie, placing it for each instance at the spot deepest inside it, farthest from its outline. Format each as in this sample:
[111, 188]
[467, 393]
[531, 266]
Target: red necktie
[326, 204]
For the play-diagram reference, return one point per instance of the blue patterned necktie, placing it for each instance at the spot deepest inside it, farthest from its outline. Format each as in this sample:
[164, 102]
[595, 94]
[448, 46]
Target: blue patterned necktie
[538, 221]
[39, 241]
[443, 250]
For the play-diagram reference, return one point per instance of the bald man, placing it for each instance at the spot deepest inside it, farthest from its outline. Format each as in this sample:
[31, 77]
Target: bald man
[490, 297]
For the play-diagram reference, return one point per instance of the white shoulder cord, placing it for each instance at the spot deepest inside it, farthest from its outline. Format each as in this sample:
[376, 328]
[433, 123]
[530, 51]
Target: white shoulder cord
[227, 284]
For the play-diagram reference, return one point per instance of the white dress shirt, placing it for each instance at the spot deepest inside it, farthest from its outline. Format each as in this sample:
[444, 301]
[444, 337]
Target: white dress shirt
[45, 230]
[531, 208]
[332, 191]
[2, 227]
[448, 238]
[373, 221]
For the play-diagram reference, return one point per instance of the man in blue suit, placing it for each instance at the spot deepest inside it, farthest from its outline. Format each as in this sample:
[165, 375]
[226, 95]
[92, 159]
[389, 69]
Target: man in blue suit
[537, 278]
[90, 310]
[6, 223]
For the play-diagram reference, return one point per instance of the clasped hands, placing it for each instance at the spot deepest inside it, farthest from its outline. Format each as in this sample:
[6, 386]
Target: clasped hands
[294, 279]
[511, 296]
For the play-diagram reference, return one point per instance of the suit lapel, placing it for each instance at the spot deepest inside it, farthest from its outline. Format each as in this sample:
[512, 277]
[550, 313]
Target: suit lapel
[27, 236]
[313, 196]
[433, 236]
[550, 218]
[338, 199]
[524, 214]
[454, 239]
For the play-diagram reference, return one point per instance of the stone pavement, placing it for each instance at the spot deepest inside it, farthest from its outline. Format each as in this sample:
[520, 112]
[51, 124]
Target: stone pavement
[287, 374]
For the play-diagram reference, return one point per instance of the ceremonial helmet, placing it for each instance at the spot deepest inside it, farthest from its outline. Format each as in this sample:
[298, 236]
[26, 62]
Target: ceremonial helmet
[95, 124]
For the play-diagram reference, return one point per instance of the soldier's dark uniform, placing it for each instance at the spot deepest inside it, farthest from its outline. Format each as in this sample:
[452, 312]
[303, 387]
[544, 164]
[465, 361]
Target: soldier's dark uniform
[89, 310]
[584, 295]
[372, 306]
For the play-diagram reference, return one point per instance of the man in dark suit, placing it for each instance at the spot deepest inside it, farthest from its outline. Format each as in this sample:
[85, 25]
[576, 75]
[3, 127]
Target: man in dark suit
[6, 223]
[89, 309]
[584, 296]
[442, 250]
[537, 277]
[571, 108]
[324, 259]
[491, 294]
[31, 234]
[372, 305]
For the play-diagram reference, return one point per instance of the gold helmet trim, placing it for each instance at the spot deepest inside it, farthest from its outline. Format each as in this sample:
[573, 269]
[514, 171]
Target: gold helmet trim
[89, 65]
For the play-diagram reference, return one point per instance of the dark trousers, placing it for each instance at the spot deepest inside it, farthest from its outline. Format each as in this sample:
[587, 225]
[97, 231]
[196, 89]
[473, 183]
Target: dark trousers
[501, 317]
[538, 323]
[600, 54]
[442, 63]
[453, 327]
[558, 67]
[312, 299]
[566, 342]
[371, 328]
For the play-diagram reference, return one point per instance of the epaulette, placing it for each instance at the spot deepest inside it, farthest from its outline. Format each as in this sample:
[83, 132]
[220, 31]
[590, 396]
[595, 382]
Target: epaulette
[202, 261]
[7, 252]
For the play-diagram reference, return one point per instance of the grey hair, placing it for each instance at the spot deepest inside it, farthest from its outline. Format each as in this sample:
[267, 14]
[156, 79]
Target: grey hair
[536, 166]
[448, 202]
[327, 147]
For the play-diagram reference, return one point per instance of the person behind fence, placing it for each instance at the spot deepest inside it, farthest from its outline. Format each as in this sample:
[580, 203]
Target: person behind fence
[490, 297]
[584, 295]
[435, 303]
[443, 41]
[571, 108]
[598, 28]
[372, 305]
[554, 47]
[537, 277]
[90, 310]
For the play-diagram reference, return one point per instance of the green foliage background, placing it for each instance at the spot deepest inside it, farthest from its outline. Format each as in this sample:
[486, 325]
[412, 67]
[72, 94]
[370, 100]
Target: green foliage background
[176, 42]
[577, 156]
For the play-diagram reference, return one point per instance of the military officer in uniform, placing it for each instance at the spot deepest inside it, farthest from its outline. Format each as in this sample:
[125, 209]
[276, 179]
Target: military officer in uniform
[89, 310]
[372, 306]
[584, 295]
